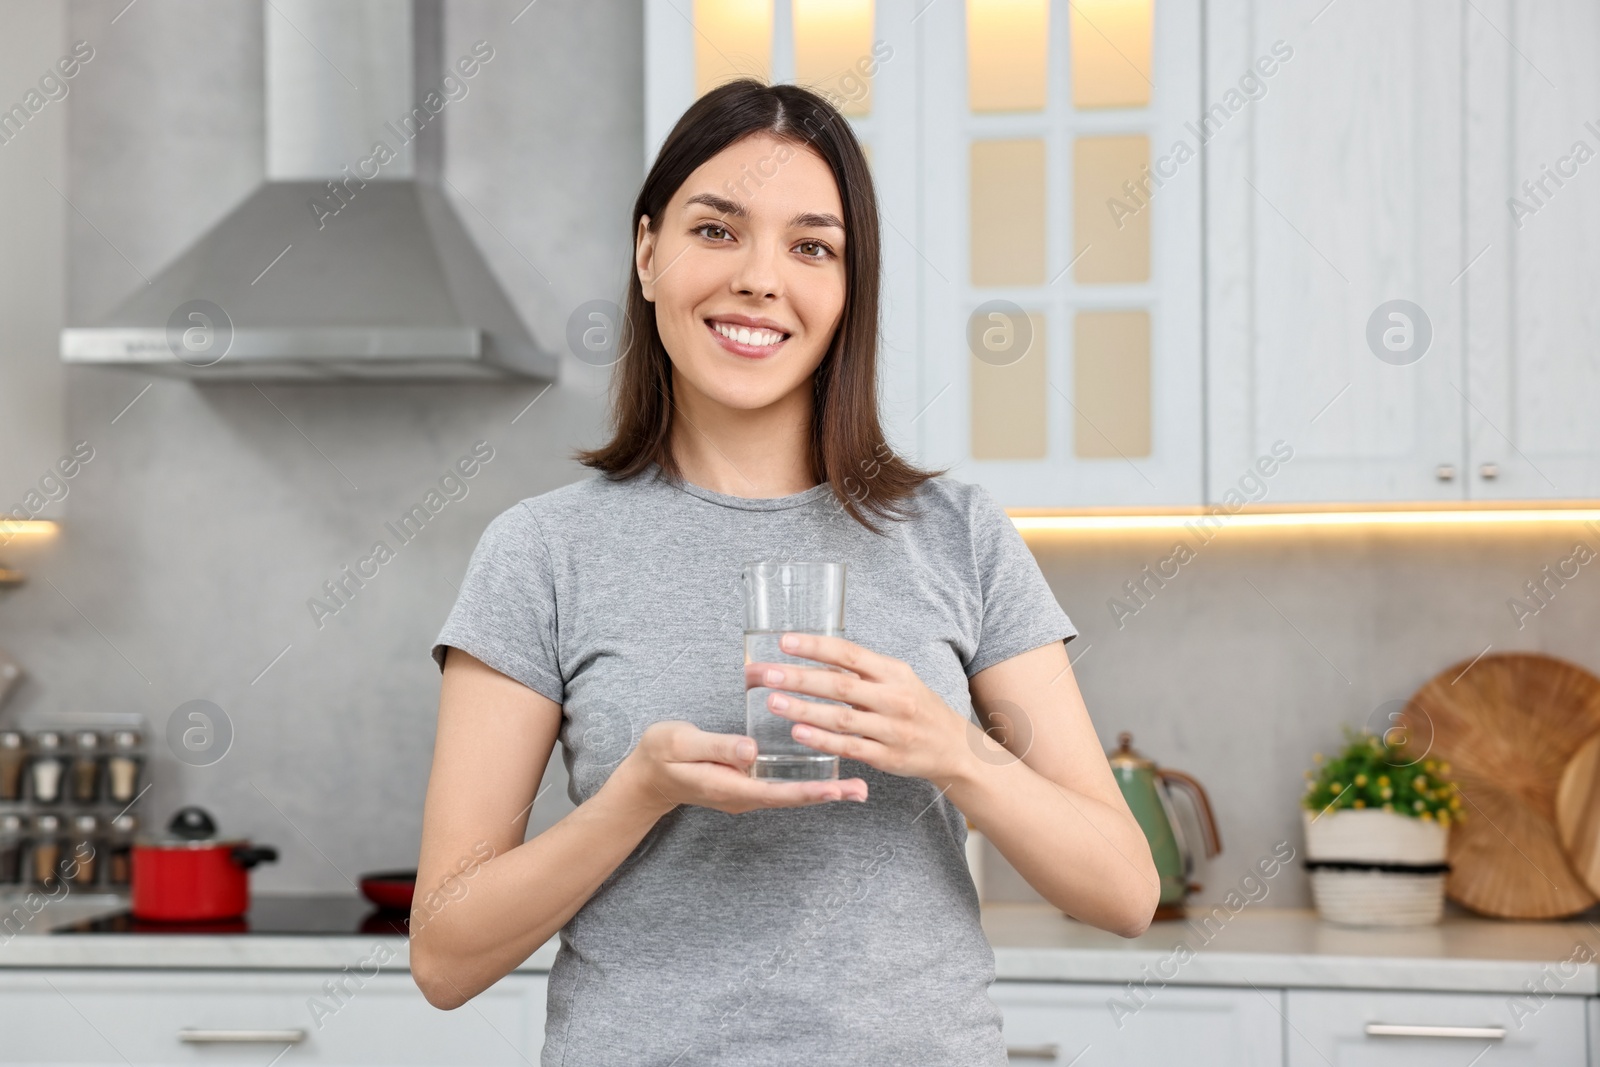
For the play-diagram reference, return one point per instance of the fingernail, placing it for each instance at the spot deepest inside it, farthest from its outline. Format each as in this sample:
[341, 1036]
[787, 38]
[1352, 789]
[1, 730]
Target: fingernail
[779, 701]
[862, 799]
[789, 641]
[746, 749]
[774, 676]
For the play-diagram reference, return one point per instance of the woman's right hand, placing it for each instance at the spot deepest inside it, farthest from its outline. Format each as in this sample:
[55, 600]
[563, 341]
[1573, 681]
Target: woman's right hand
[676, 762]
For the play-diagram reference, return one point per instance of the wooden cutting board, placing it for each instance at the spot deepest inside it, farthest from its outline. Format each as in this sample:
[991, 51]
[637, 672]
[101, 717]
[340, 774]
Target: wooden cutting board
[1578, 812]
[1508, 725]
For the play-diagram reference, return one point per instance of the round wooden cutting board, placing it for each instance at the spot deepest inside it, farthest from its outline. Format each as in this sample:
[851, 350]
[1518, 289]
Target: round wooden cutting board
[1508, 725]
[1578, 812]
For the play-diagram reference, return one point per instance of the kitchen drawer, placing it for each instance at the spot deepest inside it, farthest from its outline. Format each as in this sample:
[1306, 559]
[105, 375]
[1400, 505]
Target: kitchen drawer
[1330, 1027]
[1054, 1022]
[135, 1017]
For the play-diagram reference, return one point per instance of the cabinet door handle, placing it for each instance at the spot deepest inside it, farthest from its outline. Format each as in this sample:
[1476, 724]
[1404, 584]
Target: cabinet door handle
[1489, 472]
[1473, 1033]
[1033, 1052]
[193, 1036]
[1445, 472]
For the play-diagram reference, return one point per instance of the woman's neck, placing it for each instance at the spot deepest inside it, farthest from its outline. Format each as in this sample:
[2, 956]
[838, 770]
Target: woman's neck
[751, 453]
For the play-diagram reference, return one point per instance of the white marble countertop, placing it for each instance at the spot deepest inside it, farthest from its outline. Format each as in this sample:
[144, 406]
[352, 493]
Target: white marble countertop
[1264, 947]
[1292, 948]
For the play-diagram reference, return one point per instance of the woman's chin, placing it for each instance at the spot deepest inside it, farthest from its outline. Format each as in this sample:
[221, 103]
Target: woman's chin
[754, 397]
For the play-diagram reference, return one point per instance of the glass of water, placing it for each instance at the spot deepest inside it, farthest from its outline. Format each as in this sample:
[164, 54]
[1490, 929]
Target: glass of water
[783, 596]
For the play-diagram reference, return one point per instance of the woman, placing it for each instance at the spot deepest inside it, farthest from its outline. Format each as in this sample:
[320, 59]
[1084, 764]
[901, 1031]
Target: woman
[706, 916]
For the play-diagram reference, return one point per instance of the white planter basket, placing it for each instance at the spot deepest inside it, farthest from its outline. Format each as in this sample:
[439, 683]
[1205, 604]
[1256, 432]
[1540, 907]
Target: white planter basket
[1376, 897]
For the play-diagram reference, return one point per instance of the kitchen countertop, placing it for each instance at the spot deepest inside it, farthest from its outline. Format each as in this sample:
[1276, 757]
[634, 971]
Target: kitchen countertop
[1264, 947]
[1292, 948]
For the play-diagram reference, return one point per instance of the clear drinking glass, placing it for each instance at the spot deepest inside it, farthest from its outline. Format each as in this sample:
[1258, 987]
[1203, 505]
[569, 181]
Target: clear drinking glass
[784, 596]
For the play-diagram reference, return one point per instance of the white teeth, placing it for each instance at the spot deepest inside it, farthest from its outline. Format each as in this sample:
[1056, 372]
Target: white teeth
[746, 336]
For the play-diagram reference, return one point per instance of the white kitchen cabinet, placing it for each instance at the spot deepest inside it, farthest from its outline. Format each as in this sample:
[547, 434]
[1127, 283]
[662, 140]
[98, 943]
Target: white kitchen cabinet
[1335, 191]
[1335, 1028]
[1355, 155]
[1533, 233]
[1068, 1023]
[118, 1017]
[1096, 412]
[1444, 155]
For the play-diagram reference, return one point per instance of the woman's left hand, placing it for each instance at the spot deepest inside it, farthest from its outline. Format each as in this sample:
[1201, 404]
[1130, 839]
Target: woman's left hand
[903, 726]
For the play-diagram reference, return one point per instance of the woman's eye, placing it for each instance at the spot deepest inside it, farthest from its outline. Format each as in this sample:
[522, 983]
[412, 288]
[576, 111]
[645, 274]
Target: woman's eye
[712, 230]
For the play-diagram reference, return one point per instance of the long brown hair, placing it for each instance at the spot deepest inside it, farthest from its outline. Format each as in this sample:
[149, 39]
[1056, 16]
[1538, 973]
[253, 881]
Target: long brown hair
[847, 442]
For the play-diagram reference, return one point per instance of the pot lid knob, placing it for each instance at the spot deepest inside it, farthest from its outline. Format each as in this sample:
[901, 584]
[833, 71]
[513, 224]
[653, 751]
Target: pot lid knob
[192, 824]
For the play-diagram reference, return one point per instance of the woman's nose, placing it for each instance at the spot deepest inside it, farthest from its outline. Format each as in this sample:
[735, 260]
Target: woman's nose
[757, 272]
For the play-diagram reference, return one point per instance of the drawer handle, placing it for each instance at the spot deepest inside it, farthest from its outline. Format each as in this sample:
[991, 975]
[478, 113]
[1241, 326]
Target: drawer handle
[1033, 1052]
[241, 1037]
[1474, 1033]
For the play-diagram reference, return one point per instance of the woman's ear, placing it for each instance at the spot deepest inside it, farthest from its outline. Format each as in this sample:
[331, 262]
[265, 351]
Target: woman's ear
[644, 250]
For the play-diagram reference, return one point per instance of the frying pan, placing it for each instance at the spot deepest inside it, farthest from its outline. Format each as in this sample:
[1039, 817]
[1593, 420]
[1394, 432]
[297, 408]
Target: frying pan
[390, 890]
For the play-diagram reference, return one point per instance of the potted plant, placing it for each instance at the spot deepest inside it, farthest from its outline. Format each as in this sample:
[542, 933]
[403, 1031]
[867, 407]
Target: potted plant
[1377, 823]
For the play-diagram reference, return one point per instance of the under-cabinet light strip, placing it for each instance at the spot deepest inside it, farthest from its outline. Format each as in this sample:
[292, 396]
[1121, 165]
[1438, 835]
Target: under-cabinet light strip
[1222, 519]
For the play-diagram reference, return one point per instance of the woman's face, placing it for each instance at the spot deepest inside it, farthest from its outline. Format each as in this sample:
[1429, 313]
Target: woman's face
[752, 246]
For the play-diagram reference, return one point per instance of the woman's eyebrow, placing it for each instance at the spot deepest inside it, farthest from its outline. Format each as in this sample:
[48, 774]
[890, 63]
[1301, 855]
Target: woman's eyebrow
[734, 209]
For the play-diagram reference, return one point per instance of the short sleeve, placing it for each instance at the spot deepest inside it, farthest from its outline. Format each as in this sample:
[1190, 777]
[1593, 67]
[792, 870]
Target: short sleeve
[1019, 610]
[505, 612]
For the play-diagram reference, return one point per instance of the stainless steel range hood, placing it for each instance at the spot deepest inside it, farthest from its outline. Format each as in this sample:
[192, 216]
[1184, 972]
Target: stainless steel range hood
[347, 262]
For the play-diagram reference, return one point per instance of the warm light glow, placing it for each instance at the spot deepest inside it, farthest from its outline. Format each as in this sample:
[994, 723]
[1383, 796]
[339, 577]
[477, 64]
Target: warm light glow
[733, 39]
[13, 528]
[1257, 519]
[833, 51]
[1007, 54]
[1111, 44]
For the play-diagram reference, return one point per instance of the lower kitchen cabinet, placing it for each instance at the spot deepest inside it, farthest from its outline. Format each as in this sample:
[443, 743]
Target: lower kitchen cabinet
[115, 1018]
[1090, 1025]
[1378, 1029]
[243, 1017]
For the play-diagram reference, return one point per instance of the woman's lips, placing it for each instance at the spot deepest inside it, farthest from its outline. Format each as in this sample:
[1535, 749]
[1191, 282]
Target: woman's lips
[747, 351]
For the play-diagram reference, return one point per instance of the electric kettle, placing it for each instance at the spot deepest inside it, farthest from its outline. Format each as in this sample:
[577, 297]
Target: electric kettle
[1145, 788]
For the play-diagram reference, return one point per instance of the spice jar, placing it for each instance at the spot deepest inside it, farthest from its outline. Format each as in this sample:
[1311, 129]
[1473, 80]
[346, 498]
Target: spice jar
[49, 766]
[85, 775]
[10, 848]
[13, 757]
[83, 864]
[119, 849]
[46, 849]
[123, 766]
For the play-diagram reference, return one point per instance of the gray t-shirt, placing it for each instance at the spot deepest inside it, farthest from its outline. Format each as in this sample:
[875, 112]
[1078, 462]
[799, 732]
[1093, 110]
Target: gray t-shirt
[841, 933]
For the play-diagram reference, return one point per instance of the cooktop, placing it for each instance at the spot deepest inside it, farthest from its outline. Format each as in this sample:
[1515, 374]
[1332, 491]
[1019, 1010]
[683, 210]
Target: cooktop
[272, 915]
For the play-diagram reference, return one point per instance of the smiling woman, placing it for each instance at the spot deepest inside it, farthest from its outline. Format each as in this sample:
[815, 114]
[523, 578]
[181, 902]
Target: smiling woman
[706, 916]
[758, 215]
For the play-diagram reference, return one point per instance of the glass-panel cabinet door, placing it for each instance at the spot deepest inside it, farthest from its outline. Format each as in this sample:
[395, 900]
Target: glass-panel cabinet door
[1060, 249]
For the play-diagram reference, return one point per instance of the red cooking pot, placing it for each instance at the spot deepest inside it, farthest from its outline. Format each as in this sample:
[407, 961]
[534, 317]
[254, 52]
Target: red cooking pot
[191, 875]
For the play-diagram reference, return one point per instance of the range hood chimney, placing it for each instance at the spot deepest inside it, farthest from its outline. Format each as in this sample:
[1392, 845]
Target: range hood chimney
[374, 275]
